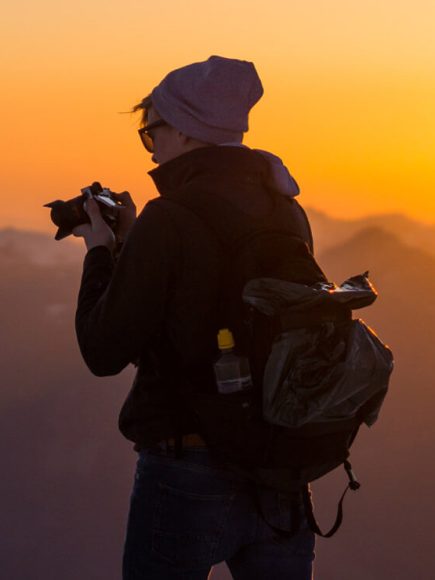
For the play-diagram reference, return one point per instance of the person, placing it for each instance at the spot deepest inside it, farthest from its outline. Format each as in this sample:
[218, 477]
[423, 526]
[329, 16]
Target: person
[149, 296]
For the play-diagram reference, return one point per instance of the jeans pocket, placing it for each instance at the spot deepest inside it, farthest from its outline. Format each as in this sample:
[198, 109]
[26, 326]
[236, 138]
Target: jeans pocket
[188, 526]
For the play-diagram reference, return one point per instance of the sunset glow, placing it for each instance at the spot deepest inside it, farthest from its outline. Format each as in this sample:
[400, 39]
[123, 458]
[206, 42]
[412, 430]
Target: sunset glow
[349, 99]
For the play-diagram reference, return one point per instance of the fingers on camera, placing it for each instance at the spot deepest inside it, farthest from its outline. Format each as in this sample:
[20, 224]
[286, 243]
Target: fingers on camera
[90, 205]
[124, 196]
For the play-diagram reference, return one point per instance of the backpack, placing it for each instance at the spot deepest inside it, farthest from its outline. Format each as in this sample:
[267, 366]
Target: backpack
[317, 373]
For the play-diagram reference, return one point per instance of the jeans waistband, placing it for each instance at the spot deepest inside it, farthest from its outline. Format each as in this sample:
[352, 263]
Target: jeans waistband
[190, 440]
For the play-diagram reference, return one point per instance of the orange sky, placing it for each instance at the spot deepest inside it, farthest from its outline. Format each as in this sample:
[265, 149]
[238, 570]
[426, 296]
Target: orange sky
[349, 99]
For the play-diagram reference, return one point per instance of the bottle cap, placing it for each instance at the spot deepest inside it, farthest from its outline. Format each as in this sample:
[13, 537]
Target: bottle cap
[225, 338]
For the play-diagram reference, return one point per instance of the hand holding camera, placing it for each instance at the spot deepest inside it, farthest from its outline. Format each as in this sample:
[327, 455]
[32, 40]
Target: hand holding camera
[97, 232]
[100, 216]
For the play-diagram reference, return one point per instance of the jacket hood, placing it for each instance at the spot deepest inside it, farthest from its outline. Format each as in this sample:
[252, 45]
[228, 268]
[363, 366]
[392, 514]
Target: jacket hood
[230, 165]
[280, 178]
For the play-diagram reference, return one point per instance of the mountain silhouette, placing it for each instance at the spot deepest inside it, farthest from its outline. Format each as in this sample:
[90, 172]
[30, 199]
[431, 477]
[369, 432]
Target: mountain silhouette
[330, 232]
[38, 247]
[67, 472]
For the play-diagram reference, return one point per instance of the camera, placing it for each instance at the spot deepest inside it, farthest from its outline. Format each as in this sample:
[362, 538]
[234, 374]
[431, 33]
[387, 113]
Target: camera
[69, 214]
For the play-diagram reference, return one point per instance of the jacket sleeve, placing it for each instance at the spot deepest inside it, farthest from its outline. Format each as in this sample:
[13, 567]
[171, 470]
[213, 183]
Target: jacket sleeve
[121, 306]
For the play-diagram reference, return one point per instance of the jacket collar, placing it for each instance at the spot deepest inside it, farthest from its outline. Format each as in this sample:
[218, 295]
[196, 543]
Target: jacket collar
[218, 166]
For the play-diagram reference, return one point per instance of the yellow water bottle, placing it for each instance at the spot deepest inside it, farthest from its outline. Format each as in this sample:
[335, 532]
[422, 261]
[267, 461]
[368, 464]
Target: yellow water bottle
[232, 371]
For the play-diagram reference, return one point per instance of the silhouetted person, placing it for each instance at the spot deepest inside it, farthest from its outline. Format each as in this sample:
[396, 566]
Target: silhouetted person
[155, 303]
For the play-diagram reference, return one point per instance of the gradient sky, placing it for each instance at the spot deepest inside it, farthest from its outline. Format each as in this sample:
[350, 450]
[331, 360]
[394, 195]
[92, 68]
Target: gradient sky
[349, 100]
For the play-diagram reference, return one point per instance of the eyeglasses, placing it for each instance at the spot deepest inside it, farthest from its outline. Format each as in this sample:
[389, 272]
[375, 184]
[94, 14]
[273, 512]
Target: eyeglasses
[146, 137]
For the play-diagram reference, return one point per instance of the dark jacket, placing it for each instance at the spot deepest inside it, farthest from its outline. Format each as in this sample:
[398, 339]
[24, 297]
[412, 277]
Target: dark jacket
[158, 305]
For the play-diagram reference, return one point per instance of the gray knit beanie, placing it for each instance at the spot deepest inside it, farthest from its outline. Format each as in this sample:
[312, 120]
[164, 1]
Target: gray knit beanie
[209, 100]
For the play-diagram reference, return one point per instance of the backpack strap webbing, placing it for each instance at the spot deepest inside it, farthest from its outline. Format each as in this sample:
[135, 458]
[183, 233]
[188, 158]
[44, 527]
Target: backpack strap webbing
[353, 485]
[308, 505]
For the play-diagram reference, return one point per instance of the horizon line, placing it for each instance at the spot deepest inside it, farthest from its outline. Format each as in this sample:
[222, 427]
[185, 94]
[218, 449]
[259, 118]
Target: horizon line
[306, 208]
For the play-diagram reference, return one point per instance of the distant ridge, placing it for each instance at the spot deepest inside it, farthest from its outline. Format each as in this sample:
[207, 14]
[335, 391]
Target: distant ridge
[384, 248]
[329, 231]
[38, 247]
[396, 269]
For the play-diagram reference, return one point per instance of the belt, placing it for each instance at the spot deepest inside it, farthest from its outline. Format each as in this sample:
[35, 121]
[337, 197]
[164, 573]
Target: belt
[190, 440]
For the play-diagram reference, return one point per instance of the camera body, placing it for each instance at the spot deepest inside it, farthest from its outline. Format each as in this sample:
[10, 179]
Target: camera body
[69, 214]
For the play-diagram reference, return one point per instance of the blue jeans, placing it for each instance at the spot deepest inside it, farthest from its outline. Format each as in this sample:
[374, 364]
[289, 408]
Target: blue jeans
[190, 513]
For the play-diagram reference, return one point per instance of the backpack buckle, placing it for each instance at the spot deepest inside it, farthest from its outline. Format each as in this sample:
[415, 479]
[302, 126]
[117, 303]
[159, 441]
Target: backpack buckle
[354, 484]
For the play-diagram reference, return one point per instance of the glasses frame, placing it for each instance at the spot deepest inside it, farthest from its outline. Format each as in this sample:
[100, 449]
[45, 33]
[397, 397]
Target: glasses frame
[146, 138]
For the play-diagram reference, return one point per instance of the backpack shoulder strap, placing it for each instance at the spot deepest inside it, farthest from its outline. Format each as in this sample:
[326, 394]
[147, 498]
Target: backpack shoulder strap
[305, 228]
[234, 228]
